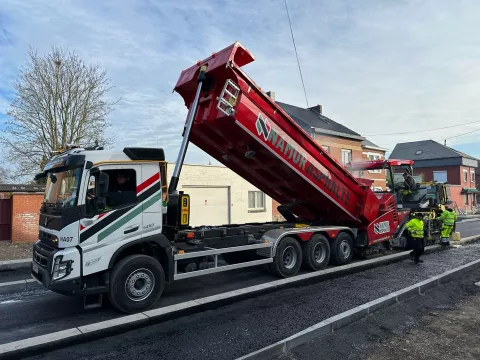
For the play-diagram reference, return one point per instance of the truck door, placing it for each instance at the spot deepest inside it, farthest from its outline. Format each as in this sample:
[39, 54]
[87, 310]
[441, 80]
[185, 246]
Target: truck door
[103, 231]
[150, 194]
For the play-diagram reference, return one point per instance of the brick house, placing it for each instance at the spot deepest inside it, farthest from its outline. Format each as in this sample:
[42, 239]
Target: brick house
[437, 162]
[370, 151]
[342, 143]
[19, 212]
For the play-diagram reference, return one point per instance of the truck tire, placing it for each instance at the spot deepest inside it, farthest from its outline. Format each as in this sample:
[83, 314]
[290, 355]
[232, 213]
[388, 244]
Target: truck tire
[288, 258]
[136, 283]
[342, 249]
[316, 253]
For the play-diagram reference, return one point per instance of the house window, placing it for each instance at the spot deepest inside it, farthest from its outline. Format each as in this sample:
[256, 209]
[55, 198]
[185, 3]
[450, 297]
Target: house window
[419, 152]
[326, 148]
[472, 176]
[374, 157]
[440, 176]
[256, 200]
[466, 199]
[346, 156]
[465, 175]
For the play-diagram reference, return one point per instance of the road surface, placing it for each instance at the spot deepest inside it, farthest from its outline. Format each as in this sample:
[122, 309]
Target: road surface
[39, 311]
[246, 326]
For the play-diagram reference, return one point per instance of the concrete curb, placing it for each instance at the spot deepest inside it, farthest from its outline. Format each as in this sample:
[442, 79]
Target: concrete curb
[467, 240]
[331, 324]
[18, 286]
[15, 264]
[49, 342]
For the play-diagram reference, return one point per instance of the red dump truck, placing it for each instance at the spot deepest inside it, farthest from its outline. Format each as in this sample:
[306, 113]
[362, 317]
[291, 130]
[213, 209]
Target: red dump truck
[92, 242]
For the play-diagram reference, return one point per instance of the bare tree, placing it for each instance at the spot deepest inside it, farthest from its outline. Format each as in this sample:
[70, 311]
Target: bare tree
[4, 175]
[59, 100]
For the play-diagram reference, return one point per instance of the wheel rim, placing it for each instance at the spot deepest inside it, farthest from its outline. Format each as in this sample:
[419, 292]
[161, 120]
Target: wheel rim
[319, 253]
[289, 257]
[139, 284]
[345, 249]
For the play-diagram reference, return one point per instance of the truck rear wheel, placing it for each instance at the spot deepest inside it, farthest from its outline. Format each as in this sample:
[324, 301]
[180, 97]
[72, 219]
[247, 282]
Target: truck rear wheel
[136, 283]
[316, 252]
[288, 258]
[342, 249]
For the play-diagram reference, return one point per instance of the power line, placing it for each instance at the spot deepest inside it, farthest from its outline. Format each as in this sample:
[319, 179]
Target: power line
[439, 141]
[296, 53]
[451, 137]
[414, 132]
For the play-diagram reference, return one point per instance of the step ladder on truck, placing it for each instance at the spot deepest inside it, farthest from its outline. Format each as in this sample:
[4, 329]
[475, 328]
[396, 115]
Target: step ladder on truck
[93, 242]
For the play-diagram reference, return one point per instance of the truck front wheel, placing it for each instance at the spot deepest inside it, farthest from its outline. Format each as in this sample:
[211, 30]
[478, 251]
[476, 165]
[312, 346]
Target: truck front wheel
[136, 283]
[288, 258]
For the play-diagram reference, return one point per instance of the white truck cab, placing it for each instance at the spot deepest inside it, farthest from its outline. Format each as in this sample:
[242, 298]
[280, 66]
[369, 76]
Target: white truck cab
[97, 203]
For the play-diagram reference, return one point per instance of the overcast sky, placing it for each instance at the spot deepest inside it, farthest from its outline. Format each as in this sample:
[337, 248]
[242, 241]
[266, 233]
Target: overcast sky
[376, 66]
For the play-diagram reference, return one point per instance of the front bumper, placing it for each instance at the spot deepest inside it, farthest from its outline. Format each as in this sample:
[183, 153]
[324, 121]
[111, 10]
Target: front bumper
[43, 257]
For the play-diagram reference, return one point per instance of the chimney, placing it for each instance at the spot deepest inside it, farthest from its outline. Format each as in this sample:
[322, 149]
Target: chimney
[316, 108]
[271, 95]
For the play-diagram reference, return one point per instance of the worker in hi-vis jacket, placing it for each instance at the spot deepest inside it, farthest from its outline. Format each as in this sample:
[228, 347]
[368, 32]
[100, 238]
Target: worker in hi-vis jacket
[416, 237]
[449, 218]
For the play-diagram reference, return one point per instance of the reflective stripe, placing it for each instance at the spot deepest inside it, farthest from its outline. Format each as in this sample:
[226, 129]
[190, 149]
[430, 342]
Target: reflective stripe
[448, 218]
[417, 233]
[415, 226]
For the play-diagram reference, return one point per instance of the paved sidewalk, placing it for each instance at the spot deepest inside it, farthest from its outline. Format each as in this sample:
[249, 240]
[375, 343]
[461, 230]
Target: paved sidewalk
[442, 324]
[15, 251]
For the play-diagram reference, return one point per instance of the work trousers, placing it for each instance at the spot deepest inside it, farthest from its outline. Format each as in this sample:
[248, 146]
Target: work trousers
[446, 230]
[417, 245]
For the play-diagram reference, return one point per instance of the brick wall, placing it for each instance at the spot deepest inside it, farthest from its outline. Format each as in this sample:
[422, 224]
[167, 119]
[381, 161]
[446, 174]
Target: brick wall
[25, 213]
[461, 199]
[335, 146]
[470, 183]
[454, 175]
[378, 176]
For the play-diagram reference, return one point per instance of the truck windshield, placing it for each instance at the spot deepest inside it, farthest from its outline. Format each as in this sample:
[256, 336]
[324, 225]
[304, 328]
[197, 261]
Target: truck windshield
[62, 187]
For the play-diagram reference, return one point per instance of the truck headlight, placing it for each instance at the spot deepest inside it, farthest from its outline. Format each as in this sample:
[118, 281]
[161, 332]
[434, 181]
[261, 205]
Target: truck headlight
[61, 268]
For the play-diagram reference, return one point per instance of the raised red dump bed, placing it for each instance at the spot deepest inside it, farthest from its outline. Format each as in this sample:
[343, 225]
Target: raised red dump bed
[243, 128]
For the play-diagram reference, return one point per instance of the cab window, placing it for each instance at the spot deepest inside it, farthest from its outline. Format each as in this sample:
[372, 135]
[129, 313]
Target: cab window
[122, 187]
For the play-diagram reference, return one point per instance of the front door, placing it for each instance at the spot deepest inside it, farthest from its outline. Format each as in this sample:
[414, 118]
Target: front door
[103, 231]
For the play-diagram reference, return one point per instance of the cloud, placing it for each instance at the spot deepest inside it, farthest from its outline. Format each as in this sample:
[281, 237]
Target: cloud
[375, 66]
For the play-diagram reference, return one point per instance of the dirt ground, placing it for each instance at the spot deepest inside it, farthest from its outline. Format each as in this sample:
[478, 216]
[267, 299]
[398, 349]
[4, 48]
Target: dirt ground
[454, 334]
[15, 251]
[442, 324]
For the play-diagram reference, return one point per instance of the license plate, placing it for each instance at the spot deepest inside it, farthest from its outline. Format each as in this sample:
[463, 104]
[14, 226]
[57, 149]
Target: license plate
[35, 268]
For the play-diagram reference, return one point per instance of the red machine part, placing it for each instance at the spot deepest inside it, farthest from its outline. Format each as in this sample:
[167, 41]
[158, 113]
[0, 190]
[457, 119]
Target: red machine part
[378, 164]
[250, 134]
